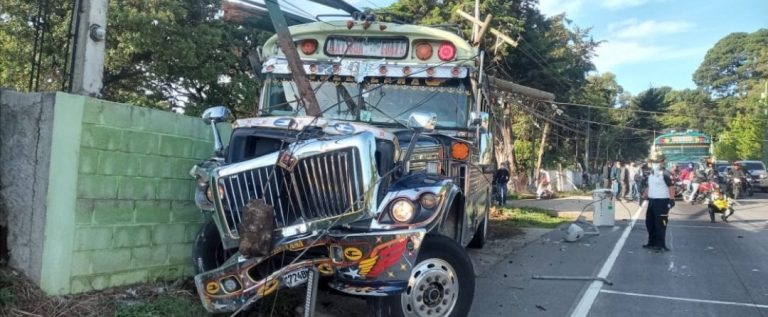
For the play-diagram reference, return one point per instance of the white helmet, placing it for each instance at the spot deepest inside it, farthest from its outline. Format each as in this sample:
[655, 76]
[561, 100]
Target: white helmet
[573, 233]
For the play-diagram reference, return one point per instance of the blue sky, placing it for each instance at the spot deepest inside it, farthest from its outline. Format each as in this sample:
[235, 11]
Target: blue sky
[647, 43]
[658, 42]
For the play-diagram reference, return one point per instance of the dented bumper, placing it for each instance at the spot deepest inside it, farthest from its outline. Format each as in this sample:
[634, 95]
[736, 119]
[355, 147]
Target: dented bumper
[369, 264]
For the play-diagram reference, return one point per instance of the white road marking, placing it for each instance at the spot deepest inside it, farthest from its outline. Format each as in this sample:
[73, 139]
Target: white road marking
[585, 304]
[683, 299]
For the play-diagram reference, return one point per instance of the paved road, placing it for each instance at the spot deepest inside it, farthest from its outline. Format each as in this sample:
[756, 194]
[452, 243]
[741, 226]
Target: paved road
[714, 269]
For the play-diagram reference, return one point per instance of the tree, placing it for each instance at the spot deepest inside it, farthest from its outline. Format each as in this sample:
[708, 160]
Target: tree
[735, 64]
[162, 54]
[692, 109]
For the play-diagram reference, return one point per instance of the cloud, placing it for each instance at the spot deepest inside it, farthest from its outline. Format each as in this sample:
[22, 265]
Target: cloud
[614, 53]
[622, 3]
[555, 7]
[633, 28]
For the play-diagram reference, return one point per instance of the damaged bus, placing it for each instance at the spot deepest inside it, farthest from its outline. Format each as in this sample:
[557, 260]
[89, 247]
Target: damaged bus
[378, 197]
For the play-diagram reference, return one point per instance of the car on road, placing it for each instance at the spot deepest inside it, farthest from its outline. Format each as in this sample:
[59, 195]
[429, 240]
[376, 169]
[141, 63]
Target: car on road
[757, 170]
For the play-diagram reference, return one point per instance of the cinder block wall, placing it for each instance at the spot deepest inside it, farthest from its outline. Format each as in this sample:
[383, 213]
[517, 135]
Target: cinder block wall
[119, 202]
[135, 218]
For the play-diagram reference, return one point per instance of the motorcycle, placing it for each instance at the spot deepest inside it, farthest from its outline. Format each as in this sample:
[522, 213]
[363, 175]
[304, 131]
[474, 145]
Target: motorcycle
[703, 193]
[737, 186]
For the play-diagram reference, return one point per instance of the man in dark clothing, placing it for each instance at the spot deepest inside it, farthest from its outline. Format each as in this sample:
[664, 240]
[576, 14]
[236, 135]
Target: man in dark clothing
[607, 175]
[660, 192]
[500, 179]
[624, 181]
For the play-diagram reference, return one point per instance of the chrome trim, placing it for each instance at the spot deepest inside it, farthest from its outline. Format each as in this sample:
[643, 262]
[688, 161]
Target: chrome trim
[336, 177]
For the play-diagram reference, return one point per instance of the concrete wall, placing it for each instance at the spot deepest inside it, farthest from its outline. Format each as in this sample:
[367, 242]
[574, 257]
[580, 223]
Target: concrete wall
[26, 122]
[119, 201]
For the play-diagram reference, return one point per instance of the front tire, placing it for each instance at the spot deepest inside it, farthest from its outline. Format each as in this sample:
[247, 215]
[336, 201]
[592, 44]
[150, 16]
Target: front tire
[208, 252]
[442, 283]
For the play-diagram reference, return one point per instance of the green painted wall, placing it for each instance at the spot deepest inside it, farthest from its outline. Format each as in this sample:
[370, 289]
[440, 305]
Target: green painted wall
[132, 215]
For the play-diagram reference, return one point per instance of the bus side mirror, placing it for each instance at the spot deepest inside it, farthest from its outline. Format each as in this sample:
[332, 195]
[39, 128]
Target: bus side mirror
[485, 138]
[213, 116]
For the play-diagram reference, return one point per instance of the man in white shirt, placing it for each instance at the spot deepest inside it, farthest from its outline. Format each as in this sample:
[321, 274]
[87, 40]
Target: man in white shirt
[660, 192]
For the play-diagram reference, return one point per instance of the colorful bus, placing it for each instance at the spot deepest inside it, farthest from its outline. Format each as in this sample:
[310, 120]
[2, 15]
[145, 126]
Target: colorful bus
[683, 146]
[380, 194]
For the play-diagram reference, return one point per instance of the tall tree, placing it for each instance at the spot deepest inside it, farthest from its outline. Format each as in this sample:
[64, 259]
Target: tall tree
[735, 64]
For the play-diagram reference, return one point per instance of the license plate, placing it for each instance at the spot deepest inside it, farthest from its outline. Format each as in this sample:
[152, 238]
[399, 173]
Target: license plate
[296, 278]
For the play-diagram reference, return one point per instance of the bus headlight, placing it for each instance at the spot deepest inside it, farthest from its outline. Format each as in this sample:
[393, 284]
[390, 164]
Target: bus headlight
[402, 210]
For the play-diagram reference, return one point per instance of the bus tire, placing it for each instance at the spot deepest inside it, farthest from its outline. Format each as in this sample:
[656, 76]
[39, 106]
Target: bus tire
[208, 252]
[442, 283]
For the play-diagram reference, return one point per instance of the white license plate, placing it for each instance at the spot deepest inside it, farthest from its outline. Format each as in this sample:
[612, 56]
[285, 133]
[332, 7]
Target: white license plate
[296, 278]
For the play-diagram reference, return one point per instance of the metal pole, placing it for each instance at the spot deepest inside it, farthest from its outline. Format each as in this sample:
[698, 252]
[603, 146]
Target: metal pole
[285, 42]
[586, 140]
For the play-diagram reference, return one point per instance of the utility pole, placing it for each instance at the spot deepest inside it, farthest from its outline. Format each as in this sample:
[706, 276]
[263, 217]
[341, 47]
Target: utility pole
[88, 47]
[285, 42]
[764, 101]
[586, 140]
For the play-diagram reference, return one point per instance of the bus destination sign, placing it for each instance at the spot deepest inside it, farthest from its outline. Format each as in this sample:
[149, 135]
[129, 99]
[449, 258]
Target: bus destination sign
[390, 47]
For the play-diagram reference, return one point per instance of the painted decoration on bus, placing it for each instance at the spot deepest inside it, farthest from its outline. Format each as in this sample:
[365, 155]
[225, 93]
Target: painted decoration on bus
[684, 139]
[391, 47]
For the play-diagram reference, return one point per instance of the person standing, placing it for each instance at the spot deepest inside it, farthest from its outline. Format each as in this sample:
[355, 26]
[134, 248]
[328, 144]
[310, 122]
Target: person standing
[660, 192]
[607, 175]
[500, 179]
[615, 187]
[542, 188]
[624, 180]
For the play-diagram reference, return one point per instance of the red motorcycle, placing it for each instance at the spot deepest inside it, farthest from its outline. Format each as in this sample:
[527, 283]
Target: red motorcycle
[704, 192]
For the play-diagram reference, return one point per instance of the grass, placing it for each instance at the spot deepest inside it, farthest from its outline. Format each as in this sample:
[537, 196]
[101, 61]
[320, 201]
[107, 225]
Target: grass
[526, 217]
[163, 306]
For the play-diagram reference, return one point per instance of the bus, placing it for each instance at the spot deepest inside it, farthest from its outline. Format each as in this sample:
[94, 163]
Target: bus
[681, 147]
[380, 195]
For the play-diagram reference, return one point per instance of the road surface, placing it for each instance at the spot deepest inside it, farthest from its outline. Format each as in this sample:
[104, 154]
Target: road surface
[714, 269]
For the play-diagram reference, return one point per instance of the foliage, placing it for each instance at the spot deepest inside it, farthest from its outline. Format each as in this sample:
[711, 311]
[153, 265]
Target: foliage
[735, 64]
[161, 54]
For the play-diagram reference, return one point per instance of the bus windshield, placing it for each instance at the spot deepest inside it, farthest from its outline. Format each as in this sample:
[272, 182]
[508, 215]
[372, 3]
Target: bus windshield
[375, 100]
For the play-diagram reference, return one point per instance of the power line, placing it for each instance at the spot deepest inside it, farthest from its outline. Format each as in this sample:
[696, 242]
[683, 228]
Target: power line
[641, 111]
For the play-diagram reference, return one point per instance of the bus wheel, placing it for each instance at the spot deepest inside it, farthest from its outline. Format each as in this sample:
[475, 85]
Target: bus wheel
[442, 283]
[208, 252]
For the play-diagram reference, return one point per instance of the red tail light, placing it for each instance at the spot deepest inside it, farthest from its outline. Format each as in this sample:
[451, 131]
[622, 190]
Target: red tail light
[308, 47]
[447, 51]
[423, 51]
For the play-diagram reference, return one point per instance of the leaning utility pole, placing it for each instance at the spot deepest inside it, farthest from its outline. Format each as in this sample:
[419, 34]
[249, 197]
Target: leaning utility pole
[90, 26]
[285, 42]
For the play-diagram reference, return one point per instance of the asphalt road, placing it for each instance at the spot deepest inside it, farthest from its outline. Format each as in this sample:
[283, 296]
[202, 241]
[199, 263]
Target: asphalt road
[713, 269]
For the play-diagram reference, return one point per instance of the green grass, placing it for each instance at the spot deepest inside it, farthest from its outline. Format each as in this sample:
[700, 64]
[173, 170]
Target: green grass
[527, 217]
[163, 306]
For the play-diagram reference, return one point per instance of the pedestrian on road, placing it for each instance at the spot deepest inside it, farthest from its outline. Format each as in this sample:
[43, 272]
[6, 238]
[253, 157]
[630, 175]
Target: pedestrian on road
[624, 174]
[720, 204]
[500, 179]
[615, 187]
[660, 192]
[606, 175]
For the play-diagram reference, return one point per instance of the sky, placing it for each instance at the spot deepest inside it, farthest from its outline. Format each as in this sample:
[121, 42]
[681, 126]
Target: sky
[653, 43]
[646, 43]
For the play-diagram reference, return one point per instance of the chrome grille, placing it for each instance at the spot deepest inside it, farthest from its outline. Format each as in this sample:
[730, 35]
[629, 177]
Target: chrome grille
[320, 186]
